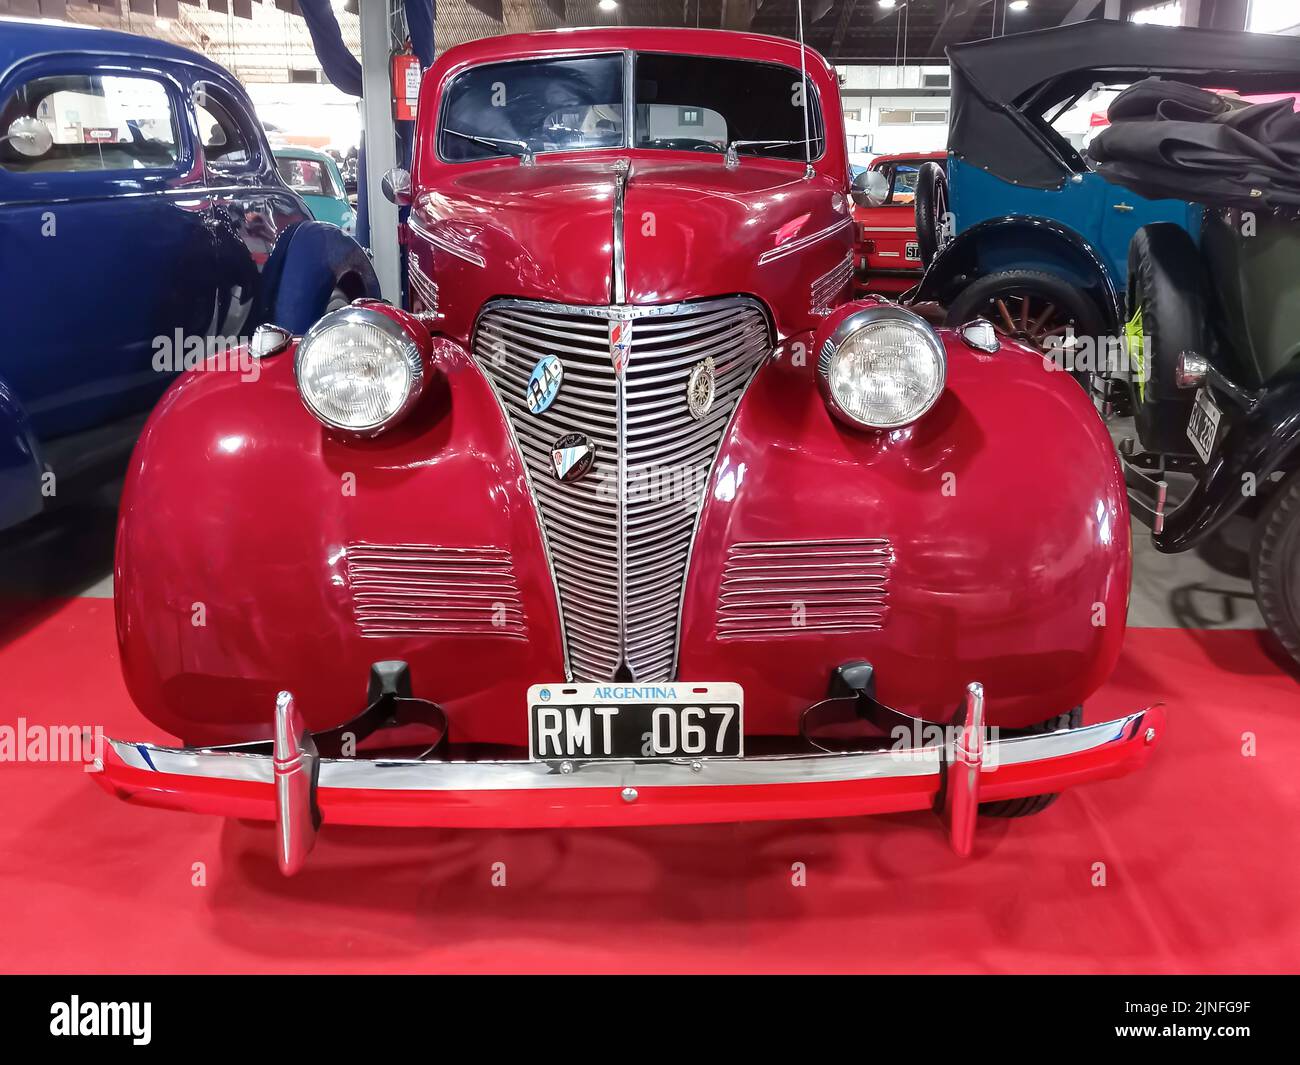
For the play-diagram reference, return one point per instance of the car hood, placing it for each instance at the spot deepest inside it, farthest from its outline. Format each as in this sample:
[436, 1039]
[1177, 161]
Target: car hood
[691, 228]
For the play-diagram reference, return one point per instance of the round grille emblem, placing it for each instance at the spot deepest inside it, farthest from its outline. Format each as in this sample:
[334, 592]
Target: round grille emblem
[700, 388]
[573, 455]
[544, 383]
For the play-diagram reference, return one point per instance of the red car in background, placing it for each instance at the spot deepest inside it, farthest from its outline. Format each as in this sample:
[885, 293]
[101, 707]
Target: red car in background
[887, 258]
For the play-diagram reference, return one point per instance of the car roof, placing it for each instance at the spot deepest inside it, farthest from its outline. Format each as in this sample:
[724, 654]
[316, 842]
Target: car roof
[688, 41]
[22, 39]
[300, 151]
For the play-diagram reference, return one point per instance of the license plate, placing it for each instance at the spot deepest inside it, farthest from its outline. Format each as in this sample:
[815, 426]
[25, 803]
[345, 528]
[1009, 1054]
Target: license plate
[636, 721]
[913, 251]
[1203, 426]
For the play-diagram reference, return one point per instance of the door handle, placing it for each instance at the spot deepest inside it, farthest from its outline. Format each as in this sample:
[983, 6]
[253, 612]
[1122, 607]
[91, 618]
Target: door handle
[1124, 207]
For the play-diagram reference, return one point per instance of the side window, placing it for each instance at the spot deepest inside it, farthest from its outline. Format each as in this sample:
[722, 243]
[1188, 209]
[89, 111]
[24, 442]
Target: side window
[306, 176]
[226, 145]
[904, 184]
[92, 122]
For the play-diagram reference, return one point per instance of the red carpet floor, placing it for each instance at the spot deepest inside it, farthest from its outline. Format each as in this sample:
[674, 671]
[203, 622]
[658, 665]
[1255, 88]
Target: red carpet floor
[1199, 853]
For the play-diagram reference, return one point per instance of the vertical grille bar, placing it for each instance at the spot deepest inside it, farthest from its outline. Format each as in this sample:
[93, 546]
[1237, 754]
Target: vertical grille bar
[619, 539]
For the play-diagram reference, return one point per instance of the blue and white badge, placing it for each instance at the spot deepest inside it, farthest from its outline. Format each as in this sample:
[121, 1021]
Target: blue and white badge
[544, 383]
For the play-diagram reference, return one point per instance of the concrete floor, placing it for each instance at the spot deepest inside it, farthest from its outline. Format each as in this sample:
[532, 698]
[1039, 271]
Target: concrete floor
[69, 552]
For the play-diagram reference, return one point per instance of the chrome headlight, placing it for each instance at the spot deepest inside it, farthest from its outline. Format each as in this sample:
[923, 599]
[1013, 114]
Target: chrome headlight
[358, 370]
[881, 367]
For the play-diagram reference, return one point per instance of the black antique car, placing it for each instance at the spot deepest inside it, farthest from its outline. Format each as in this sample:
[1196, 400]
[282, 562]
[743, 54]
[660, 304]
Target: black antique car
[1211, 372]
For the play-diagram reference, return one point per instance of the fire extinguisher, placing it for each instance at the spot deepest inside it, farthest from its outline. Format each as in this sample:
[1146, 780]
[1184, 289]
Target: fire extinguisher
[405, 71]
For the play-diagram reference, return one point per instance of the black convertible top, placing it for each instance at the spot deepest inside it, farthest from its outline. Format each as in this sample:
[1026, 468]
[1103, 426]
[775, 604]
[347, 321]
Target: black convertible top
[1001, 87]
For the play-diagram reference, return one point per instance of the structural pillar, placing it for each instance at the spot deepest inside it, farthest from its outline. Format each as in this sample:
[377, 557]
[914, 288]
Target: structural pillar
[381, 143]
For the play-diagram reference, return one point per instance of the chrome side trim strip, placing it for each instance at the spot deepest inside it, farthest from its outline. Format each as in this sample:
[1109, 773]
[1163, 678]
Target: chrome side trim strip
[619, 276]
[412, 775]
[804, 242]
[446, 245]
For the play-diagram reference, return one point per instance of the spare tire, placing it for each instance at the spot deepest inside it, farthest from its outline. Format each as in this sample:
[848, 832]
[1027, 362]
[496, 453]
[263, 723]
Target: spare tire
[931, 207]
[1166, 305]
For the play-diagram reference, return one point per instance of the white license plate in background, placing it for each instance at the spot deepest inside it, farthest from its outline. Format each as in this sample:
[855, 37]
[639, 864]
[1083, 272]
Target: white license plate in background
[1203, 426]
[670, 719]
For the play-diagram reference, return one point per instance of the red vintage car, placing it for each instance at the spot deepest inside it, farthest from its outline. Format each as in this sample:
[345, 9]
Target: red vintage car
[633, 516]
[887, 258]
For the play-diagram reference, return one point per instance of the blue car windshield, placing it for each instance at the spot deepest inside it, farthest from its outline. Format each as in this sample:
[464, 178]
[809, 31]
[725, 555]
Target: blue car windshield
[682, 102]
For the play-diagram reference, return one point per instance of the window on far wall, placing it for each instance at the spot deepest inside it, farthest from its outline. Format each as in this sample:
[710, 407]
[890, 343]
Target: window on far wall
[853, 116]
[895, 116]
[690, 116]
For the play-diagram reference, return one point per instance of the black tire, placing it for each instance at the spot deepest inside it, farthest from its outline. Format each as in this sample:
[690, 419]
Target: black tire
[931, 206]
[338, 300]
[1032, 804]
[1070, 306]
[1166, 283]
[1275, 564]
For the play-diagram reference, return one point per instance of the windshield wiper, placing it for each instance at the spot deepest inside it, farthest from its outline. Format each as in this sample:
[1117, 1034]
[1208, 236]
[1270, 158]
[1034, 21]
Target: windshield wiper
[732, 158]
[525, 153]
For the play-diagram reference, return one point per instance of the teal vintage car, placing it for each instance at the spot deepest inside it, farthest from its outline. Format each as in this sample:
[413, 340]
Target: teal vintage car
[315, 177]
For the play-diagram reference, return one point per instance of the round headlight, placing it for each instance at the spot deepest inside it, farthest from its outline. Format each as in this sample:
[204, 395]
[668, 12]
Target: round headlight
[359, 370]
[881, 367]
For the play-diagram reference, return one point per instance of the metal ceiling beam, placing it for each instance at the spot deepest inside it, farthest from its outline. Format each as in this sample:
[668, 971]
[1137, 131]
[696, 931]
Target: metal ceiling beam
[738, 14]
[842, 27]
[957, 19]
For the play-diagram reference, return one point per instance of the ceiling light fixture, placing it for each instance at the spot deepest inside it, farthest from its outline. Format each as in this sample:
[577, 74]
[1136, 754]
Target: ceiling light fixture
[886, 3]
[608, 5]
[1018, 5]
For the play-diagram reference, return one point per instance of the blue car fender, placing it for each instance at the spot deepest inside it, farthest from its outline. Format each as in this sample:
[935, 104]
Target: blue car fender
[1020, 242]
[21, 466]
[309, 262]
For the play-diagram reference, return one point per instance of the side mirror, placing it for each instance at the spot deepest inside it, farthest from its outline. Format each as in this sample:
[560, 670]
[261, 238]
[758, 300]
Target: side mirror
[30, 137]
[397, 187]
[870, 188]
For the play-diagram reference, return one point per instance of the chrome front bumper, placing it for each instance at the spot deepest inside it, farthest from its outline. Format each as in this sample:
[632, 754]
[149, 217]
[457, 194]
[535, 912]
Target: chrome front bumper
[298, 790]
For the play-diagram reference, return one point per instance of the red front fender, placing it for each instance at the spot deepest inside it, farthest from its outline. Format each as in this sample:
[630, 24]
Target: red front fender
[1007, 529]
[256, 552]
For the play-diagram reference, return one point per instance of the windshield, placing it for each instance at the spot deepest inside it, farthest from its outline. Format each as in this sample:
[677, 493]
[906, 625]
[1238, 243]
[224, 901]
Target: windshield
[687, 103]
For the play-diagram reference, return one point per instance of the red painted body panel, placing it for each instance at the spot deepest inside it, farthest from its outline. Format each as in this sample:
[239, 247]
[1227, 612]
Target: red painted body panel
[235, 514]
[884, 233]
[546, 232]
[1002, 548]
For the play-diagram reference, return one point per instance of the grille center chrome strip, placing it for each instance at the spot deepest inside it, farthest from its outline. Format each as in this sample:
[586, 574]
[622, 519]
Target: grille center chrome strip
[619, 539]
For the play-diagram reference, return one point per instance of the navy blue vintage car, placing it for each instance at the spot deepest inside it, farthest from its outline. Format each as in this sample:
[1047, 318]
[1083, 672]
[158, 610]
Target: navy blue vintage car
[141, 220]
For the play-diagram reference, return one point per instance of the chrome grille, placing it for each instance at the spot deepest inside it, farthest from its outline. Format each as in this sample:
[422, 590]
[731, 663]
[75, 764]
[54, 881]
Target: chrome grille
[826, 289]
[414, 589]
[619, 539]
[423, 287]
[789, 587]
